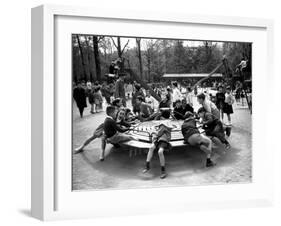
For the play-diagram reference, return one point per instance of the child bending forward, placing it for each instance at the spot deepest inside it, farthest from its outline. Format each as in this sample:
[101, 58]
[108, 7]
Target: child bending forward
[192, 136]
[113, 132]
[161, 142]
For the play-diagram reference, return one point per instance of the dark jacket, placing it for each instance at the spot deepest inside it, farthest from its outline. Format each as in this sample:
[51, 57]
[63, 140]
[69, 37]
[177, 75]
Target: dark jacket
[119, 89]
[220, 97]
[210, 121]
[179, 113]
[105, 91]
[79, 96]
[189, 128]
[164, 104]
[188, 108]
[111, 127]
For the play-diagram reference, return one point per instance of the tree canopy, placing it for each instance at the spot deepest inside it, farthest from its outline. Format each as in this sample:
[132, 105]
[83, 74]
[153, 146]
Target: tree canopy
[151, 58]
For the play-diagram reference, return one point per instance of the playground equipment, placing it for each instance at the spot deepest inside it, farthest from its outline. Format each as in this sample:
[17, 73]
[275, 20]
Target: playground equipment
[228, 74]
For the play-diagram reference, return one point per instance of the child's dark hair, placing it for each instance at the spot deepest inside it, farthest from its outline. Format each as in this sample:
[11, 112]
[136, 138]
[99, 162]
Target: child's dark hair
[166, 114]
[127, 110]
[110, 109]
[140, 98]
[116, 101]
[137, 86]
[201, 110]
[175, 84]
[201, 96]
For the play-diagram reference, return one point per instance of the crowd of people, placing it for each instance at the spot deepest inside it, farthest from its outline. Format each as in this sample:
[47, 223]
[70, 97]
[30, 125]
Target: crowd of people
[174, 105]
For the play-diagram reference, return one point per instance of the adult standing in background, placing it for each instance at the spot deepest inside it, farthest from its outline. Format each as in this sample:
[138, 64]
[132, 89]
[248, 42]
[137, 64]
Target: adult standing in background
[150, 100]
[137, 92]
[220, 100]
[176, 92]
[170, 96]
[189, 98]
[130, 90]
[120, 90]
[106, 92]
[79, 96]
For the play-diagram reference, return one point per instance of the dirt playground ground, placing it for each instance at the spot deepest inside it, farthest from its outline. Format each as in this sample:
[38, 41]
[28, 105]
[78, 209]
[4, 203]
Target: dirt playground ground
[185, 167]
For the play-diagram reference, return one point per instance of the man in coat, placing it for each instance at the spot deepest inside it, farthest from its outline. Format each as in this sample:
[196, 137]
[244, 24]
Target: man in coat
[120, 89]
[79, 95]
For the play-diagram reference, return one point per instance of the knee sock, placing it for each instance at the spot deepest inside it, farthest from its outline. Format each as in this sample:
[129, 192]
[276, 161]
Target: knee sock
[147, 165]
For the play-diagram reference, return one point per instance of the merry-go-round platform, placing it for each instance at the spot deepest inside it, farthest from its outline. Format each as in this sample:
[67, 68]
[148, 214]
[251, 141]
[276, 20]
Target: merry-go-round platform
[143, 131]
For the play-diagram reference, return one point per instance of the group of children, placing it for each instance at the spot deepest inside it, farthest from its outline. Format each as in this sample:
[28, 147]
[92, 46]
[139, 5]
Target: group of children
[119, 120]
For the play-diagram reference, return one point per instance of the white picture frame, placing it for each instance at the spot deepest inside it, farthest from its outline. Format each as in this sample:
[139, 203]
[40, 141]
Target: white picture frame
[52, 197]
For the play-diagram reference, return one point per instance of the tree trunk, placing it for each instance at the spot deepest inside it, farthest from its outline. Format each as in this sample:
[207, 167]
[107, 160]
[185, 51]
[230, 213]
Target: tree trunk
[89, 60]
[119, 47]
[138, 41]
[148, 66]
[97, 57]
[82, 59]
[120, 52]
[165, 56]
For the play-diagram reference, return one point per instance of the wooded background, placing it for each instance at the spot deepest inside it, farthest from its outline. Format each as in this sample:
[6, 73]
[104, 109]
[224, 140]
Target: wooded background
[151, 58]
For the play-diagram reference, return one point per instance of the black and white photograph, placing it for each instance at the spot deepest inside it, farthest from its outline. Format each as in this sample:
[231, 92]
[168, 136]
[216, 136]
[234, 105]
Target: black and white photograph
[158, 112]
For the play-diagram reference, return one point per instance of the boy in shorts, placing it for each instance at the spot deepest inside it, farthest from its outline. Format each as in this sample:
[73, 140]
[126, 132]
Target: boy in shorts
[113, 132]
[161, 142]
[213, 126]
[192, 136]
[109, 130]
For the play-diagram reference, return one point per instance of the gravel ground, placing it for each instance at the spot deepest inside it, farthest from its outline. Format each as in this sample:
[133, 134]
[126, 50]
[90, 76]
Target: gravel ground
[184, 167]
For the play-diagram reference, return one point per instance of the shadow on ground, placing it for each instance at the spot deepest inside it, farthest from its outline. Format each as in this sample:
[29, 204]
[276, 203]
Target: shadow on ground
[184, 167]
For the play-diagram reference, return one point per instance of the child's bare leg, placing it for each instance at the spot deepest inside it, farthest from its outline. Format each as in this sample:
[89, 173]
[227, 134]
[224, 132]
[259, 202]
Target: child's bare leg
[89, 140]
[161, 156]
[207, 143]
[92, 108]
[103, 146]
[206, 146]
[150, 153]
[162, 162]
[148, 158]
[229, 118]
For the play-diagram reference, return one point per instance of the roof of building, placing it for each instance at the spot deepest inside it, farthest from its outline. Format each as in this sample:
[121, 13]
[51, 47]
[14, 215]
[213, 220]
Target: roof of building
[190, 75]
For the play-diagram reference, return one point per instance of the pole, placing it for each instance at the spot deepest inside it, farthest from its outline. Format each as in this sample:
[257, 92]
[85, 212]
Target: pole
[208, 76]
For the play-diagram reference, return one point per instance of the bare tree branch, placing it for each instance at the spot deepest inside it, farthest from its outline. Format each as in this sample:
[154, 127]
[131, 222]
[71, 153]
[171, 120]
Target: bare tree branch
[125, 46]
[100, 38]
[114, 43]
